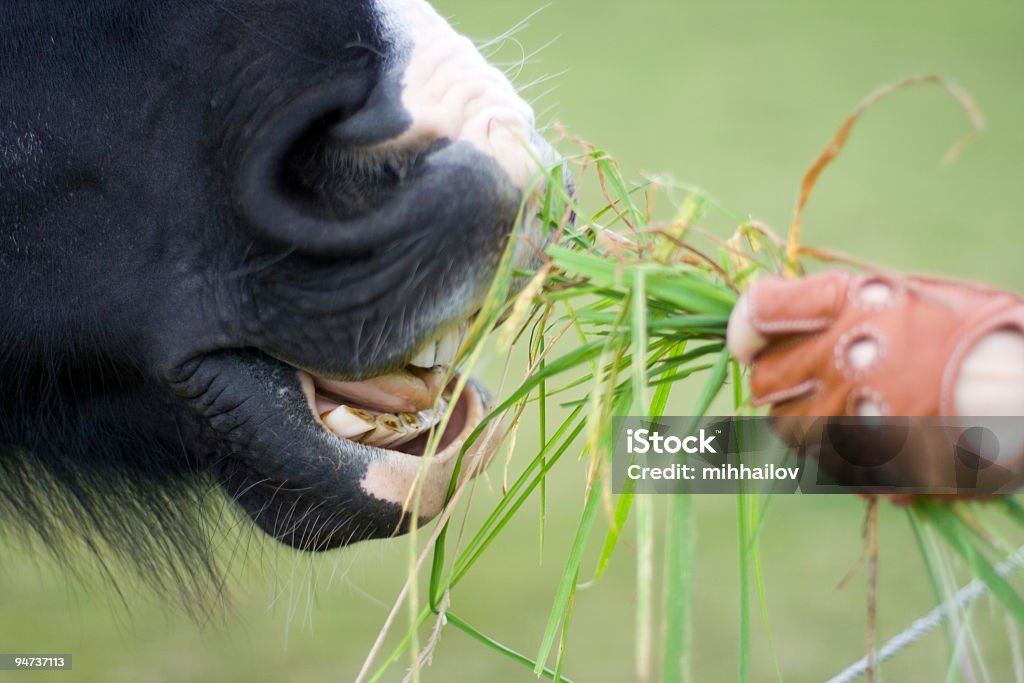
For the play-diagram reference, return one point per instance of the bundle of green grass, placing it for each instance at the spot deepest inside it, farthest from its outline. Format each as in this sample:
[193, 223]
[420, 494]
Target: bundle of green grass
[623, 310]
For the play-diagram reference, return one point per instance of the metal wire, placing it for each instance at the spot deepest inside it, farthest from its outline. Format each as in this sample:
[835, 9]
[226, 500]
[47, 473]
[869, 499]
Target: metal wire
[929, 622]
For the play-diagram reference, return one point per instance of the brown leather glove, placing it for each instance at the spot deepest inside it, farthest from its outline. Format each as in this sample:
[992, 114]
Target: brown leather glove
[871, 344]
[843, 344]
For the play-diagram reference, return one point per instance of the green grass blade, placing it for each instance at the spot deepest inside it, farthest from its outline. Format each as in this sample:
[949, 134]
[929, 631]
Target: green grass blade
[623, 506]
[743, 537]
[762, 598]
[624, 503]
[437, 569]
[680, 289]
[569, 575]
[679, 575]
[500, 517]
[493, 644]
[542, 419]
[1014, 510]
[716, 380]
[563, 642]
[953, 531]
[638, 333]
[930, 570]
[613, 178]
[562, 364]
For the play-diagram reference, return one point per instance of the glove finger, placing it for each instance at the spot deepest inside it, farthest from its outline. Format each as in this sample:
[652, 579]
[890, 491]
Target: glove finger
[779, 306]
[743, 340]
[787, 370]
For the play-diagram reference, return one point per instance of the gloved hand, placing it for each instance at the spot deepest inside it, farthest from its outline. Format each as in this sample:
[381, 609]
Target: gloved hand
[843, 344]
[873, 344]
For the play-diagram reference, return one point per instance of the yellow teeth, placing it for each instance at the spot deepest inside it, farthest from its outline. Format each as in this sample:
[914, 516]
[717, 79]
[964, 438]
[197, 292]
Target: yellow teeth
[383, 430]
[399, 406]
[348, 423]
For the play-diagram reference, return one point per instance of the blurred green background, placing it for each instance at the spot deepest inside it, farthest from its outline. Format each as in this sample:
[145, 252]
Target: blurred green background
[737, 97]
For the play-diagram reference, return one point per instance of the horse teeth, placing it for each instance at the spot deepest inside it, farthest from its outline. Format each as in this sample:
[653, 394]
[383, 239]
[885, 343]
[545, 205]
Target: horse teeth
[447, 347]
[391, 431]
[462, 334]
[442, 350]
[433, 379]
[382, 438]
[348, 422]
[424, 358]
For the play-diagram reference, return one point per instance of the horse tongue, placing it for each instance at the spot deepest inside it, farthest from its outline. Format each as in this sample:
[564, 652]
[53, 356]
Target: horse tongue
[400, 391]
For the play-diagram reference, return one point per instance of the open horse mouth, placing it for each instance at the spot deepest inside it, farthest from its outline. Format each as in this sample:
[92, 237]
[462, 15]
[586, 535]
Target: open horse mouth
[397, 410]
[318, 461]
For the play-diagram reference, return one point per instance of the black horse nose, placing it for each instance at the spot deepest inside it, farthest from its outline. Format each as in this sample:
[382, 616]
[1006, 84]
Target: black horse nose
[437, 133]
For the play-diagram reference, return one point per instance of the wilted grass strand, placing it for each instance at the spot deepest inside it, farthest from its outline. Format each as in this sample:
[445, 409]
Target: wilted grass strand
[400, 648]
[643, 634]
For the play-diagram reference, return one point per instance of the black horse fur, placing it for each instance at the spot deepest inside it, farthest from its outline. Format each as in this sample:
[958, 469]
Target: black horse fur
[193, 204]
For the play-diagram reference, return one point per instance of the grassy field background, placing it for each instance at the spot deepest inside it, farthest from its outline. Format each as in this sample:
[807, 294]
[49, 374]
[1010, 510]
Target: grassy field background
[737, 97]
